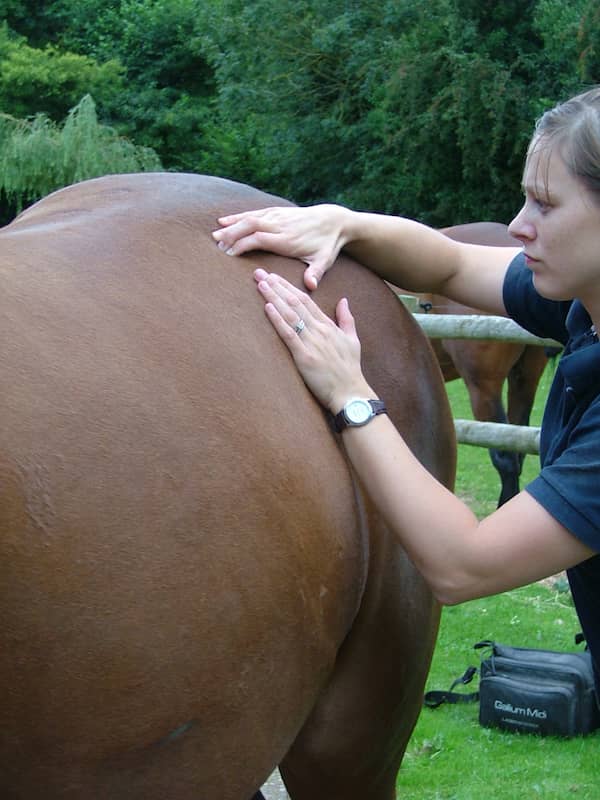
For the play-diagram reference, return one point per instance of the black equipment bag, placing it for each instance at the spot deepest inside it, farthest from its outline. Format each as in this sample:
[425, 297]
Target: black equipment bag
[530, 691]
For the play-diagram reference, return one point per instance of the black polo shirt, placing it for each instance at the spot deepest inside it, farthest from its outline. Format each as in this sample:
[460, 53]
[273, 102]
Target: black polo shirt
[568, 486]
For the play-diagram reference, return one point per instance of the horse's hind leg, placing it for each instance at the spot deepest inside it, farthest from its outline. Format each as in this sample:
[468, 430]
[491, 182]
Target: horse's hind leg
[523, 381]
[486, 402]
[508, 466]
[352, 744]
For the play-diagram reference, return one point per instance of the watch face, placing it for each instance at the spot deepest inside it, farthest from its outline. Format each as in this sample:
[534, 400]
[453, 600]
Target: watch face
[357, 412]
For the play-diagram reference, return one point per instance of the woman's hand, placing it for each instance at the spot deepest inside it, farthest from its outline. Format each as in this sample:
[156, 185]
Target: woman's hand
[313, 234]
[327, 355]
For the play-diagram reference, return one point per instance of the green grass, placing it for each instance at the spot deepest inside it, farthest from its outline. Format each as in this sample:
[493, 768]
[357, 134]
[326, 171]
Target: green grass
[477, 481]
[450, 756]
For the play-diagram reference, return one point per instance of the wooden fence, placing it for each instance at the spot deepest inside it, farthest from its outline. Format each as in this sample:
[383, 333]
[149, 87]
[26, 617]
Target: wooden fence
[517, 438]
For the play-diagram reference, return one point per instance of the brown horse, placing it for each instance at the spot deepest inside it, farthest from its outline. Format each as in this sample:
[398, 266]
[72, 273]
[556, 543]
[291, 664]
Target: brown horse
[486, 365]
[193, 586]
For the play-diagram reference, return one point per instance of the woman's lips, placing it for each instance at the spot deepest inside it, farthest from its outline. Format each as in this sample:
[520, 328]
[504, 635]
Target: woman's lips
[529, 260]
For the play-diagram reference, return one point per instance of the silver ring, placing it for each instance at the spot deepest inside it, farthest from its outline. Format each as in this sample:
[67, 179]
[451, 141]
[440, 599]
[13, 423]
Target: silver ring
[299, 326]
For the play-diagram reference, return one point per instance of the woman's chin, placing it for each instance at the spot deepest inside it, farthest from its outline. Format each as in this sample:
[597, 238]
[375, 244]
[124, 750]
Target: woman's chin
[550, 291]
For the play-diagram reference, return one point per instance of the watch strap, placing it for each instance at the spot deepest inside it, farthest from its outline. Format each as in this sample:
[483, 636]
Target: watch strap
[340, 422]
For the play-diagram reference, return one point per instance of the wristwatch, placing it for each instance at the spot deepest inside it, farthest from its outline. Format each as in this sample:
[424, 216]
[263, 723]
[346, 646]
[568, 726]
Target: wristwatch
[357, 412]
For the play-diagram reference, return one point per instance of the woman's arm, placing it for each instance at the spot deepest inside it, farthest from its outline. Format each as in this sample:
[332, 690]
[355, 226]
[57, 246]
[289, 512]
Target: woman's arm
[460, 557]
[402, 251]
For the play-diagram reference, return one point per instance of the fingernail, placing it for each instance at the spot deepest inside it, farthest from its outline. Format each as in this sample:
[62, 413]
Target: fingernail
[221, 245]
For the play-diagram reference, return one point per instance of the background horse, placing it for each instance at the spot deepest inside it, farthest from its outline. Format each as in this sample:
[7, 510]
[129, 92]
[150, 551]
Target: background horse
[484, 365]
[193, 586]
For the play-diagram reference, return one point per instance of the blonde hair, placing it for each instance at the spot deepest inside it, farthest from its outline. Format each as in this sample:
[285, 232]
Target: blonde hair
[575, 127]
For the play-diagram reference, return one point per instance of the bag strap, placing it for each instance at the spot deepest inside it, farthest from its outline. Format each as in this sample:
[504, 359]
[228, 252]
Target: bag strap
[437, 698]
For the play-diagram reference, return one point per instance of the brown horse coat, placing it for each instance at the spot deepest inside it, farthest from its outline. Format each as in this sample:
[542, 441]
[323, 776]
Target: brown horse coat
[193, 588]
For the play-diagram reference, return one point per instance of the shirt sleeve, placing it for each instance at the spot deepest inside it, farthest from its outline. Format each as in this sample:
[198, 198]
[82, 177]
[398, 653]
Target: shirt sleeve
[569, 487]
[542, 317]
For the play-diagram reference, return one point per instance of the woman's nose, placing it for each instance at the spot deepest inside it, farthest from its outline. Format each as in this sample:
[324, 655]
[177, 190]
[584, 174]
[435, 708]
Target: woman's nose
[521, 228]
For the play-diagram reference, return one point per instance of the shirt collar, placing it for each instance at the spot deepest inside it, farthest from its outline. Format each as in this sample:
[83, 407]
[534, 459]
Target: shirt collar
[578, 320]
[580, 365]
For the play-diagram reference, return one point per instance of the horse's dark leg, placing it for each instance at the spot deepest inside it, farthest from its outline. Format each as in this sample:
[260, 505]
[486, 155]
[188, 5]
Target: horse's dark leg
[508, 465]
[486, 402]
[523, 381]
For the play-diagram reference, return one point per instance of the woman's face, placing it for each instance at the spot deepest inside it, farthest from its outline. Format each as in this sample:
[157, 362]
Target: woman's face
[559, 228]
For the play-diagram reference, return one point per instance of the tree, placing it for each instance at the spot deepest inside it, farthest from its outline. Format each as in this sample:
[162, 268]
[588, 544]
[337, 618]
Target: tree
[588, 41]
[299, 102]
[453, 122]
[48, 80]
[38, 156]
[416, 108]
[164, 100]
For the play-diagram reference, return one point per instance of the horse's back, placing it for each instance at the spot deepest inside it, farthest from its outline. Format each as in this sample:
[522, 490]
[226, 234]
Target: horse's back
[181, 540]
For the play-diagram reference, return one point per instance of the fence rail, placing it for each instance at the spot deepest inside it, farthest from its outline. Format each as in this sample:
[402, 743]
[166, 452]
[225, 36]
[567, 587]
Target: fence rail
[496, 435]
[470, 326]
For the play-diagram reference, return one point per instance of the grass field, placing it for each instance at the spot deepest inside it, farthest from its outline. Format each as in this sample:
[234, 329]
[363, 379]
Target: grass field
[477, 481]
[450, 756]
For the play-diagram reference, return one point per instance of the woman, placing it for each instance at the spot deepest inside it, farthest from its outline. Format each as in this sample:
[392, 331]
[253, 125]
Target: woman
[551, 286]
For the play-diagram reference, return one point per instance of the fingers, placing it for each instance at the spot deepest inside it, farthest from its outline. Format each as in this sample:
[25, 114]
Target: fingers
[285, 329]
[312, 276]
[244, 232]
[293, 306]
[291, 231]
[344, 317]
[286, 312]
[314, 273]
[231, 219]
[291, 303]
[288, 306]
[326, 355]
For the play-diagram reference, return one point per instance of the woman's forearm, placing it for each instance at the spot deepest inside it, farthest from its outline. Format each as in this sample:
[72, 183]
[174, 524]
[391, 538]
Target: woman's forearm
[402, 251]
[460, 557]
[435, 527]
[420, 259]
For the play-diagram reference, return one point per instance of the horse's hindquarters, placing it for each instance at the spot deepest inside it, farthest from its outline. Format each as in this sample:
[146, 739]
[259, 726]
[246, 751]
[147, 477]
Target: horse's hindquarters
[182, 549]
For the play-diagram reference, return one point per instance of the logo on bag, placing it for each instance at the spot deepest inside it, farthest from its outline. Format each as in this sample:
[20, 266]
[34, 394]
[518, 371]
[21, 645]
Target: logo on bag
[520, 711]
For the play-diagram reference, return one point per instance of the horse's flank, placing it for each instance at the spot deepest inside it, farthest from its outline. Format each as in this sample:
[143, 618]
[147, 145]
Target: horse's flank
[193, 588]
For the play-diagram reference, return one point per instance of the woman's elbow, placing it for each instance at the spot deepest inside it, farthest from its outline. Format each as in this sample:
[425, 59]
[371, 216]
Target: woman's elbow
[452, 591]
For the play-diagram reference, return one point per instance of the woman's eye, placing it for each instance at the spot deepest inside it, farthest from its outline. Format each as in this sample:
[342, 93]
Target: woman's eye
[543, 205]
